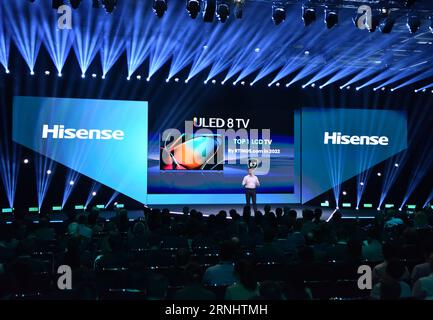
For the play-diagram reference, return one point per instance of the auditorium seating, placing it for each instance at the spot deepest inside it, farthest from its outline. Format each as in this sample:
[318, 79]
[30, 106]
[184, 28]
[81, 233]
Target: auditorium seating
[123, 271]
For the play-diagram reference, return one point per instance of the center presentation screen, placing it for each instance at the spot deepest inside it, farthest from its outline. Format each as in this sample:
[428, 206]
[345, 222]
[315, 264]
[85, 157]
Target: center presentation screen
[209, 152]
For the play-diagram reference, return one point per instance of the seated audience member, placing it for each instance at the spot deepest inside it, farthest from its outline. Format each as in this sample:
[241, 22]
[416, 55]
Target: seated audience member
[269, 290]
[222, 273]
[421, 270]
[139, 237]
[246, 286]
[423, 288]
[157, 286]
[390, 290]
[117, 256]
[295, 239]
[44, 232]
[194, 289]
[390, 252]
[83, 229]
[394, 271]
[318, 216]
[372, 247]
[269, 252]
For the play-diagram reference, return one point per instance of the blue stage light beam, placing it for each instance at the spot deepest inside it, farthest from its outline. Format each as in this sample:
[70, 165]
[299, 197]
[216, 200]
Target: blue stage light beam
[92, 193]
[72, 179]
[419, 172]
[57, 42]
[426, 74]
[44, 168]
[113, 40]
[138, 43]
[4, 43]
[112, 198]
[87, 35]
[9, 166]
[428, 200]
[25, 31]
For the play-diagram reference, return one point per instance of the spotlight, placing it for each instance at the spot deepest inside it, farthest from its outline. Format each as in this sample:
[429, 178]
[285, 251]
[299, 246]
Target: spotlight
[159, 7]
[308, 15]
[148, 79]
[387, 25]
[55, 4]
[379, 174]
[257, 50]
[413, 23]
[213, 81]
[83, 75]
[242, 83]
[239, 8]
[176, 79]
[361, 183]
[94, 193]
[71, 183]
[32, 73]
[128, 78]
[49, 172]
[209, 10]
[109, 5]
[278, 12]
[396, 165]
[223, 10]
[59, 74]
[103, 76]
[344, 193]
[7, 71]
[75, 3]
[193, 8]
[47, 73]
[93, 75]
[331, 18]
[138, 77]
[26, 161]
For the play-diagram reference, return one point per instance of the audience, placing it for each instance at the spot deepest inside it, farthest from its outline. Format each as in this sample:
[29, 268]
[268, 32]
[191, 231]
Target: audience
[192, 256]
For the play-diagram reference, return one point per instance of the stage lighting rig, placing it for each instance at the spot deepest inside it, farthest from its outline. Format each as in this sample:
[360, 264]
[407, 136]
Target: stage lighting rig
[56, 4]
[209, 10]
[387, 24]
[413, 23]
[278, 11]
[331, 17]
[75, 3]
[160, 7]
[239, 8]
[193, 7]
[109, 5]
[308, 15]
[223, 10]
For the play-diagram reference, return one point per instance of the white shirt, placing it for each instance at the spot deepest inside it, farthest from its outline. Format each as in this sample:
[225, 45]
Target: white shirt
[250, 182]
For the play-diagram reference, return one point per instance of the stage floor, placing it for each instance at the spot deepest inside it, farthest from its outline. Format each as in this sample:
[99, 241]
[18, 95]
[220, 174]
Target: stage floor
[210, 209]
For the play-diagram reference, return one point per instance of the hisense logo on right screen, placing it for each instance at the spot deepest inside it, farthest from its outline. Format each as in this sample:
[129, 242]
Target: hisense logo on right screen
[339, 138]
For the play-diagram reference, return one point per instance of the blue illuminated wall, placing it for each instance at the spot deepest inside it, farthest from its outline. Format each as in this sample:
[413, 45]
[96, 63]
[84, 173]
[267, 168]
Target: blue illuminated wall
[118, 164]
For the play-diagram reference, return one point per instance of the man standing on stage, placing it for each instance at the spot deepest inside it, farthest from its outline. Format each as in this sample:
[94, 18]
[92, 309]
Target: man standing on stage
[250, 183]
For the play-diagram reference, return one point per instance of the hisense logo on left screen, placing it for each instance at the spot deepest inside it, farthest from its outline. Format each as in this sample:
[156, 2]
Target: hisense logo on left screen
[60, 132]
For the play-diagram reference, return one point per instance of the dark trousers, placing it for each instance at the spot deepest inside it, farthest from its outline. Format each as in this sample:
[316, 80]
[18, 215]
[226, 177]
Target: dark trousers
[250, 194]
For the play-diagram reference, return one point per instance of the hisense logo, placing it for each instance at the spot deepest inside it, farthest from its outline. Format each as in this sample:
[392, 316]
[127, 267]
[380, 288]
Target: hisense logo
[338, 138]
[59, 132]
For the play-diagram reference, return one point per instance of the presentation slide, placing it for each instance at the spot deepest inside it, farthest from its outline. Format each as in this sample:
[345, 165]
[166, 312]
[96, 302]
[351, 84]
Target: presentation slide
[211, 152]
